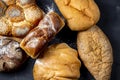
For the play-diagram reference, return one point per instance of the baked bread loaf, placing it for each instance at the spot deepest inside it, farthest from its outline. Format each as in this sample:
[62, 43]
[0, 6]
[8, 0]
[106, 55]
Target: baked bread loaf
[38, 37]
[11, 55]
[80, 14]
[59, 62]
[18, 17]
[96, 52]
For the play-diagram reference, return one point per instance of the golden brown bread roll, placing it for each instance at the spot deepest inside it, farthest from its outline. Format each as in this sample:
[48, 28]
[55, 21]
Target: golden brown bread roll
[18, 17]
[59, 62]
[80, 14]
[11, 55]
[38, 37]
[96, 52]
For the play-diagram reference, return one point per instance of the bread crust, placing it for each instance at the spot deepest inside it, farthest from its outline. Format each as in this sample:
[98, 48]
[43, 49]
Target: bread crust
[20, 14]
[11, 55]
[80, 14]
[96, 52]
[59, 62]
[38, 38]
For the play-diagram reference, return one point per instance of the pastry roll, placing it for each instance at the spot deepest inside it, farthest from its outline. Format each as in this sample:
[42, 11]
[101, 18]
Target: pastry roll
[38, 37]
[58, 62]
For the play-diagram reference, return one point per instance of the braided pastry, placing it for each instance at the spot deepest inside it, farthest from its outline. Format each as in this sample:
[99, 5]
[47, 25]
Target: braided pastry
[18, 17]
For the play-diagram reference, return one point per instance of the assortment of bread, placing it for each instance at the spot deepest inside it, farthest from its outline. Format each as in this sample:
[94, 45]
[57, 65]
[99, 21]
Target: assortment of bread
[25, 30]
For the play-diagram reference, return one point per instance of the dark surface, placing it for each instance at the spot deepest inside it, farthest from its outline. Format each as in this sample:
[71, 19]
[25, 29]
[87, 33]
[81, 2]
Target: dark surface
[109, 23]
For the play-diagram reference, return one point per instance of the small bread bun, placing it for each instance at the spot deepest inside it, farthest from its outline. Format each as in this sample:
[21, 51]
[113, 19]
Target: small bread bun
[59, 62]
[37, 38]
[80, 14]
[96, 52]
[11, 55]
[18, 17]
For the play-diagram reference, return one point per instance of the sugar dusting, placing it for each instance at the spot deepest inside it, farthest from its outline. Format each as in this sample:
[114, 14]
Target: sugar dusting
[33, 42]
[24, 1]
[50, 8]
[9, 49]
[38, 62]
[21, 31]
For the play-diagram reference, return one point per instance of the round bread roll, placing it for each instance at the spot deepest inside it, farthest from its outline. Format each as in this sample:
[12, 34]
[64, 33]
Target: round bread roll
[80, 14]
[18, 17]
[11, 55]
[96, 52]
[59, 62]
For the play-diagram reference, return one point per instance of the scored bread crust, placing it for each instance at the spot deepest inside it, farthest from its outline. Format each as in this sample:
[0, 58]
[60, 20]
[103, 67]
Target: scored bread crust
[18, 17]
[80, 14]
[96, 52]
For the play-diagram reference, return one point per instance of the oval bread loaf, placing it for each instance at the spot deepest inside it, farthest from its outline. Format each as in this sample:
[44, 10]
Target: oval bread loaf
[80, 14]
[96, 52]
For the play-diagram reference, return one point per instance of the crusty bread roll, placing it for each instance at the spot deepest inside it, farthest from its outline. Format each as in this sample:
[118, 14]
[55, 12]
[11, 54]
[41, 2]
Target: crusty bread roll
[38, 37]
[59, 62]
[96, 52]
[18, 17]
[11, 55]
[80, 14]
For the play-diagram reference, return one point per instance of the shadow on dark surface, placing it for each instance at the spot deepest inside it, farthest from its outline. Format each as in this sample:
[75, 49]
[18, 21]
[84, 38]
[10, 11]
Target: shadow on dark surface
[110, 24]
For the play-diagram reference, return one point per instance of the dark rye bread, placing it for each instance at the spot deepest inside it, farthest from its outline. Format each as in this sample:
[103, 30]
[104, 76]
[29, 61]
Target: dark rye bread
[11, 55]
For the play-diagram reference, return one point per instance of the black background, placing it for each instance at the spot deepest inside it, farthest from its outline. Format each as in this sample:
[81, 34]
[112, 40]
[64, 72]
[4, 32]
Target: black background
[109, 23]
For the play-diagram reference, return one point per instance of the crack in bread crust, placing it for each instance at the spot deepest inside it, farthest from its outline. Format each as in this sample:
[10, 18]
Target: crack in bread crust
[80, 14]
[96, 52]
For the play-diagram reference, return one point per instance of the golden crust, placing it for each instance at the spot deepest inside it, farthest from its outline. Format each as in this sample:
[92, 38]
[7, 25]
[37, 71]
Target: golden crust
[25, 3]
[37, 39]
[3, 7]
[59, 62]
[96, 52]
[18, 16]
[15, 13]
[4, 27]
[33, 14]
[80, 14]
[9, 2]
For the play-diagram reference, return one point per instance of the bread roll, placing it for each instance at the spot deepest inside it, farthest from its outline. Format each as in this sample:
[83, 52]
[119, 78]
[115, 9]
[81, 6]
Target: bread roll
[37, 39]
[80, 14]
[18, 17]
[11, 55]
[96, 52]
[59, 62]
